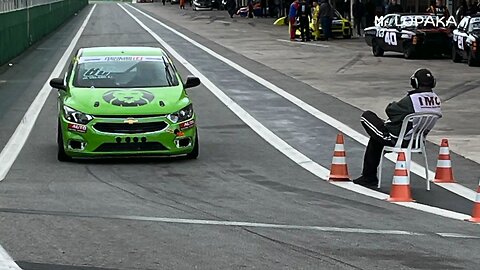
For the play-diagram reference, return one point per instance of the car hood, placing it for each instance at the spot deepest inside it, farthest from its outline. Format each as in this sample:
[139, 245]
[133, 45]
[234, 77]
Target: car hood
[126, 101]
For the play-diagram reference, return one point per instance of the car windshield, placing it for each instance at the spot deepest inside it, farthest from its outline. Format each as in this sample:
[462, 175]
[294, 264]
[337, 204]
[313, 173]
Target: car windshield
[476, 25]
[124, 72]
[418, 21]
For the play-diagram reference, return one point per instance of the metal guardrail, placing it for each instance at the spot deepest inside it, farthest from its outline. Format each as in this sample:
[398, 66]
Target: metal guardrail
[11, 5]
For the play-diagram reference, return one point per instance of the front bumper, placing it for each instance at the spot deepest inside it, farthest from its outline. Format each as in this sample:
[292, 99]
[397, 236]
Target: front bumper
[113, 137]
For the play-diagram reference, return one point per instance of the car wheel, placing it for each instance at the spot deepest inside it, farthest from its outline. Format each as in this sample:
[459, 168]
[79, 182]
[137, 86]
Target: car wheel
[377, 51]
[471, 61]
[196, 148]
[61, 155]
[408, 52]
[455, 57]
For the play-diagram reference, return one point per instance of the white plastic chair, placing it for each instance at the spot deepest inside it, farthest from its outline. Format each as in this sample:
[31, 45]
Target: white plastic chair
[422, 123]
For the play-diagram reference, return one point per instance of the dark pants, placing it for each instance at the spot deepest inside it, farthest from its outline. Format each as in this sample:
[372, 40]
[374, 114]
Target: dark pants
[326, 27]
[304, 28]
[379, 137]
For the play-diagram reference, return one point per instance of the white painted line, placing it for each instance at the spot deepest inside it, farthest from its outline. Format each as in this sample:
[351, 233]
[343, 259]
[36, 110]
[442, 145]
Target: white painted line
[254, 124]
[282, 146]
[350, 132]
[303, 43]
[434, 210]
[457, 235]
[266, 225]
[17, 141]
[6, 262]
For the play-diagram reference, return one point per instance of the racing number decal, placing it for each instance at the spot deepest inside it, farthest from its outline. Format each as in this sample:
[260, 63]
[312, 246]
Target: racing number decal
[391, 38]
[381, 33]
[460, 42]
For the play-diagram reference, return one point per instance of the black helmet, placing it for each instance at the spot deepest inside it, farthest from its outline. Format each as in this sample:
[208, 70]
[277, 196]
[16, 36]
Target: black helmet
[422, 77]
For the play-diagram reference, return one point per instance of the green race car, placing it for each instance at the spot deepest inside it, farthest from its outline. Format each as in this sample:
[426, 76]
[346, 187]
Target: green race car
[124, 101]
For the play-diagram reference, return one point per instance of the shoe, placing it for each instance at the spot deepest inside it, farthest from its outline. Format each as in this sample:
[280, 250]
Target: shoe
[366, 181]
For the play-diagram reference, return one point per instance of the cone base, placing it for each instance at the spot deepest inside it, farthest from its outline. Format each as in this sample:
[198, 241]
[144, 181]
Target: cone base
[443, 181]
[475, 220]
[400, 200]
[339, 178]
[400, 193]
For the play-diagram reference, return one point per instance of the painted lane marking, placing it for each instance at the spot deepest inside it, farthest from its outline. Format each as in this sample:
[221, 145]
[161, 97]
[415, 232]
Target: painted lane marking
[229, 223]
[458, 235]
[282, 146]
[15, 144]
[6, 262]
[303, 43]
[350, 132]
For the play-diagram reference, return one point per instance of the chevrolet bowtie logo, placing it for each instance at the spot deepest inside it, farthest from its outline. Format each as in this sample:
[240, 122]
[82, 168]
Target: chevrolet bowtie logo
[130, 121]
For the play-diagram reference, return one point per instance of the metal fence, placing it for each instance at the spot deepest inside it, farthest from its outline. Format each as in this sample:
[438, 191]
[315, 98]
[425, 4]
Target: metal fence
[10, 5]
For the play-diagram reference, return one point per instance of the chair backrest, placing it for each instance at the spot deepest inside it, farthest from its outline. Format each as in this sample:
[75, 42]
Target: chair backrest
[415, 128]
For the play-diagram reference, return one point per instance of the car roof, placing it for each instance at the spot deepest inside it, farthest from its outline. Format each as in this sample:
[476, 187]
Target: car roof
[121, 51]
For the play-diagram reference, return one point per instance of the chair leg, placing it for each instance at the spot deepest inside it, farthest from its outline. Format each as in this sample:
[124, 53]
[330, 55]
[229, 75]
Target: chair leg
[380, 167]
[427, 178]
[408, 161]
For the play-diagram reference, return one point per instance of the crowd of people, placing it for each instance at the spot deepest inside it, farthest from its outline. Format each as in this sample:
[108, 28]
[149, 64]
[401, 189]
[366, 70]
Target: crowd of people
[301, 14]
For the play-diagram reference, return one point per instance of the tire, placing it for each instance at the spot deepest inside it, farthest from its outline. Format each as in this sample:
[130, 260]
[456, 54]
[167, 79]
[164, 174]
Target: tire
[472, 62]
[408, 52]
[196, 148]
[455, 57]
[376, 50]
[61, 155]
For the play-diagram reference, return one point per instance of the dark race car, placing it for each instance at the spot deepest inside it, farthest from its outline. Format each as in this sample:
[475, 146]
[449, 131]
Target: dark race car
[465, 41]
[413, 35]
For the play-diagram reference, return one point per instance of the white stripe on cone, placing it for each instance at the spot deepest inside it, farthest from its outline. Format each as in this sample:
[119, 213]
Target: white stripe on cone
[400, 180]
[444, 163]
[401, 165]
[444, 151]
[339, 160]
[339, 148]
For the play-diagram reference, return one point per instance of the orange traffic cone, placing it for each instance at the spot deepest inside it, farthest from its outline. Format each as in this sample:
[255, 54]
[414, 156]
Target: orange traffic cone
[444, 172]
[476, 208]
[339, 169]
[400, 191]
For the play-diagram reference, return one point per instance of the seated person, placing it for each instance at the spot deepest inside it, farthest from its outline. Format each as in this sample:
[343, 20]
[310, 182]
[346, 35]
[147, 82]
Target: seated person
[385, 133]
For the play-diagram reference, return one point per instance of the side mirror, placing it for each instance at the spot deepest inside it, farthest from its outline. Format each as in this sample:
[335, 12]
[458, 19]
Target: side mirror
[191, 82]
[58, 84]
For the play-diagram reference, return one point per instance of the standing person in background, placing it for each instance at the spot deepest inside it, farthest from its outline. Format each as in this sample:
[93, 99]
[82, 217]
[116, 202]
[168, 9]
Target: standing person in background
[346, 10]
[263, 6]
[326, 16]
[231, 6]
[304, 13]
[182, 4]
[432, 8]
[369, 13]
[358, 15]
[163, 2]
[442, 10]
[250, 8]
[462, 11]
[292, 18]
[394, 7]
[316, 20]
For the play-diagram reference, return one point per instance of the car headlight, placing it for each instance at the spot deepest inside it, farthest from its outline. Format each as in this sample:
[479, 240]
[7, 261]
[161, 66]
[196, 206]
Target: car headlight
[182, 115]
[75, 116]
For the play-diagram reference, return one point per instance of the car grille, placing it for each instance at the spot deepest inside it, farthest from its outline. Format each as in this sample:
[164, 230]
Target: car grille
[130, 147]
[130, 128]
